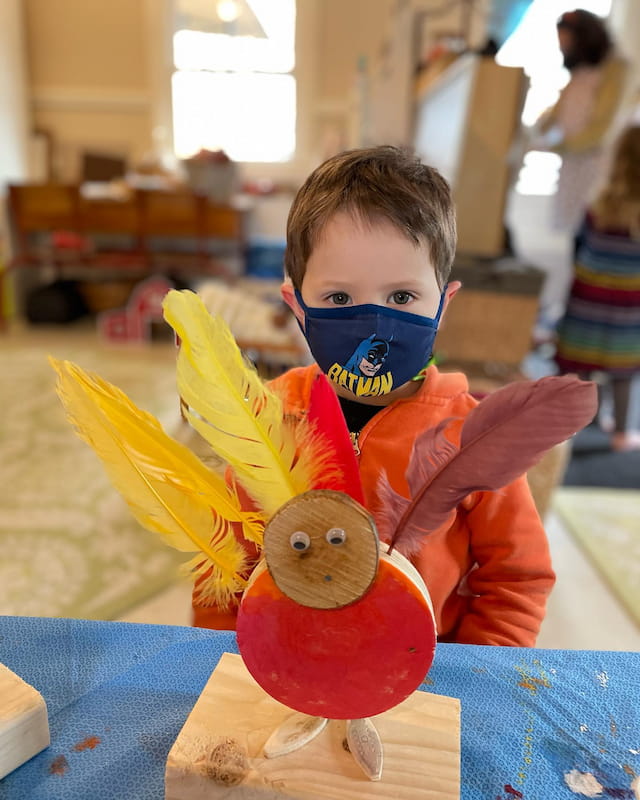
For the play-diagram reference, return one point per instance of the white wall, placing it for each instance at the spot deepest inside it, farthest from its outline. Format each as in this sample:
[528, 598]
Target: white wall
[89, 93]
[14, 117]
[89, 77]
[625, 26]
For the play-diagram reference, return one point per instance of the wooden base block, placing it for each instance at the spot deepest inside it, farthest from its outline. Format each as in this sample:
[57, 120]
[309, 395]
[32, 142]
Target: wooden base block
[24, 728]
[218, 753]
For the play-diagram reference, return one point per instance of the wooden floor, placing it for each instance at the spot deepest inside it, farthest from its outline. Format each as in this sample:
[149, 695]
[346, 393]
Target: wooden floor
[582, 613]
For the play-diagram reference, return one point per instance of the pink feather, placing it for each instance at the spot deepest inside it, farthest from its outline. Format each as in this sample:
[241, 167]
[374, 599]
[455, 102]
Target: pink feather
[434, 450]
[501, 438]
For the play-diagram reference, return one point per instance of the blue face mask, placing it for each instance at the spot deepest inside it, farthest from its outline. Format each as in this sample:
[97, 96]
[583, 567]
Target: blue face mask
[369, 350]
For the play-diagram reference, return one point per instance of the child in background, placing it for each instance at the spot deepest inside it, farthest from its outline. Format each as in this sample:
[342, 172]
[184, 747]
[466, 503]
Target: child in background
[600, 331]
[371, 238]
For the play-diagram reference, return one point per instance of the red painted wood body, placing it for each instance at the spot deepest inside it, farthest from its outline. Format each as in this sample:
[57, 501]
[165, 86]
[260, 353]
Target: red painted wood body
[344, 663]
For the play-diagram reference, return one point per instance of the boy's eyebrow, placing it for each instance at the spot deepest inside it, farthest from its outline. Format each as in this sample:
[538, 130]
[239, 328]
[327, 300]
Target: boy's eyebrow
[395, 284]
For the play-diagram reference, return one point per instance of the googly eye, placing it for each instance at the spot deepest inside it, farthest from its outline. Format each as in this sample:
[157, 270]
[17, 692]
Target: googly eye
[336, 536]
[300, 541]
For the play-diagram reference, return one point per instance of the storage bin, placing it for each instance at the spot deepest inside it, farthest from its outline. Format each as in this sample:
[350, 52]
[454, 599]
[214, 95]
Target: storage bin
[265, 258]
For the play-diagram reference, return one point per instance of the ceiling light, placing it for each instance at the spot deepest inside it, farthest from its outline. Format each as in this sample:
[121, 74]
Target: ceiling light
[228, 10]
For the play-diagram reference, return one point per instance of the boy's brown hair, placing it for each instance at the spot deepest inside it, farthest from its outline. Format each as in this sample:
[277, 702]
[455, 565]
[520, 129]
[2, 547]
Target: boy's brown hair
[377, 183]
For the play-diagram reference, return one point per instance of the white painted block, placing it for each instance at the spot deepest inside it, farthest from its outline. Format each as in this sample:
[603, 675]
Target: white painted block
[24, 727]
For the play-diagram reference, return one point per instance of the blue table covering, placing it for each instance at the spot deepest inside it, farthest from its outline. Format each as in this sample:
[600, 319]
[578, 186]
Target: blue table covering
[118, 694]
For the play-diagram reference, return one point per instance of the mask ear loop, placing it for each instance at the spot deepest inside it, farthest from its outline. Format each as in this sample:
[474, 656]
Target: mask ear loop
[443, 295]
[301, 302]
[422, 374]
[305, 308]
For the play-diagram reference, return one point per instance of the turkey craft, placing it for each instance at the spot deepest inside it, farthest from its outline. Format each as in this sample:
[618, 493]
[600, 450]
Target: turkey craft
[334, 621]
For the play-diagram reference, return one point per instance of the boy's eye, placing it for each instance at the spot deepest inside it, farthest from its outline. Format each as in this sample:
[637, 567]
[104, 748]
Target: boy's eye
[401, 298]
[339, 298]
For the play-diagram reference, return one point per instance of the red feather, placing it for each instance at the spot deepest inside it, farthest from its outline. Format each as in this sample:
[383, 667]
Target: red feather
[501, 438]
[326, 415]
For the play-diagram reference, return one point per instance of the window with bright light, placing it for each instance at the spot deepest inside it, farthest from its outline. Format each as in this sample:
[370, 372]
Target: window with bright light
[534, 47]
[233, 88]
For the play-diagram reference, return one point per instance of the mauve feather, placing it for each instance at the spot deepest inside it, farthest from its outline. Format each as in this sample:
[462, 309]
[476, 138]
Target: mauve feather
[502, 437]
[431, 451]
[436, 450]
[551, 410]
[390, 507]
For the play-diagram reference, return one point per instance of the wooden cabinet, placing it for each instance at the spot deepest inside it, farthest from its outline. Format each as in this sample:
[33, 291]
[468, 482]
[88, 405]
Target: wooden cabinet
[143, 230]
[135, 235]
[466, 120]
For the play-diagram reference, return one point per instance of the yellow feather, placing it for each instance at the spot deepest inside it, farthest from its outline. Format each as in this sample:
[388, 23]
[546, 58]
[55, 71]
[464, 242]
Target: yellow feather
[168, 489]
[229, 405]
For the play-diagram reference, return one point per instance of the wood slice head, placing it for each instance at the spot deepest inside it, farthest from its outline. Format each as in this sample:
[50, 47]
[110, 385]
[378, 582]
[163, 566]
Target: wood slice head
[321, 549]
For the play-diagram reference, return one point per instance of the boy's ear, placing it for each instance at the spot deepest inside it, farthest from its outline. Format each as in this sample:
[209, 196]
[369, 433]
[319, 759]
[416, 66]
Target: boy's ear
[452, 290]
[288, 295]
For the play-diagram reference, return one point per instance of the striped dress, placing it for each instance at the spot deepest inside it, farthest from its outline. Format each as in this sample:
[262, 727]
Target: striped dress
[601, 327]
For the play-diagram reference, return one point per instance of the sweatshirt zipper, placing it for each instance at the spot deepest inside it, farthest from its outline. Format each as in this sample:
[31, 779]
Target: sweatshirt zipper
[365, 429]
[368, 426]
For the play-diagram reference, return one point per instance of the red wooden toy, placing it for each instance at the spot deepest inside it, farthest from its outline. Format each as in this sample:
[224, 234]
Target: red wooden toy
[329, 626]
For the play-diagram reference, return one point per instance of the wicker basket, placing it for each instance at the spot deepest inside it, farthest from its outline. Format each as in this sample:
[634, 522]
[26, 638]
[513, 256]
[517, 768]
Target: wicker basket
[105, 295]
[485, 326]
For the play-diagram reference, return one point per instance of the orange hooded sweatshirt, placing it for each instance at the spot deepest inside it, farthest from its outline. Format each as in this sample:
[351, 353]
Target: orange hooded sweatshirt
[488, 569]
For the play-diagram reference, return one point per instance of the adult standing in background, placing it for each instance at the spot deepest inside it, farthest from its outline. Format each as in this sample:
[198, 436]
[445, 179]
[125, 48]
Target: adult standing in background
[576, 127]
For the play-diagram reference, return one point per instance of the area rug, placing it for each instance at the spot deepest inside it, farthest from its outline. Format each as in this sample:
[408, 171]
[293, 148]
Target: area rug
[593, 463]
[606, 523]
[68, 544]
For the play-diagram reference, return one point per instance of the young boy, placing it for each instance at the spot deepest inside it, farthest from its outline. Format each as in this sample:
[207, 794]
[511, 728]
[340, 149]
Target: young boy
[370, 240]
